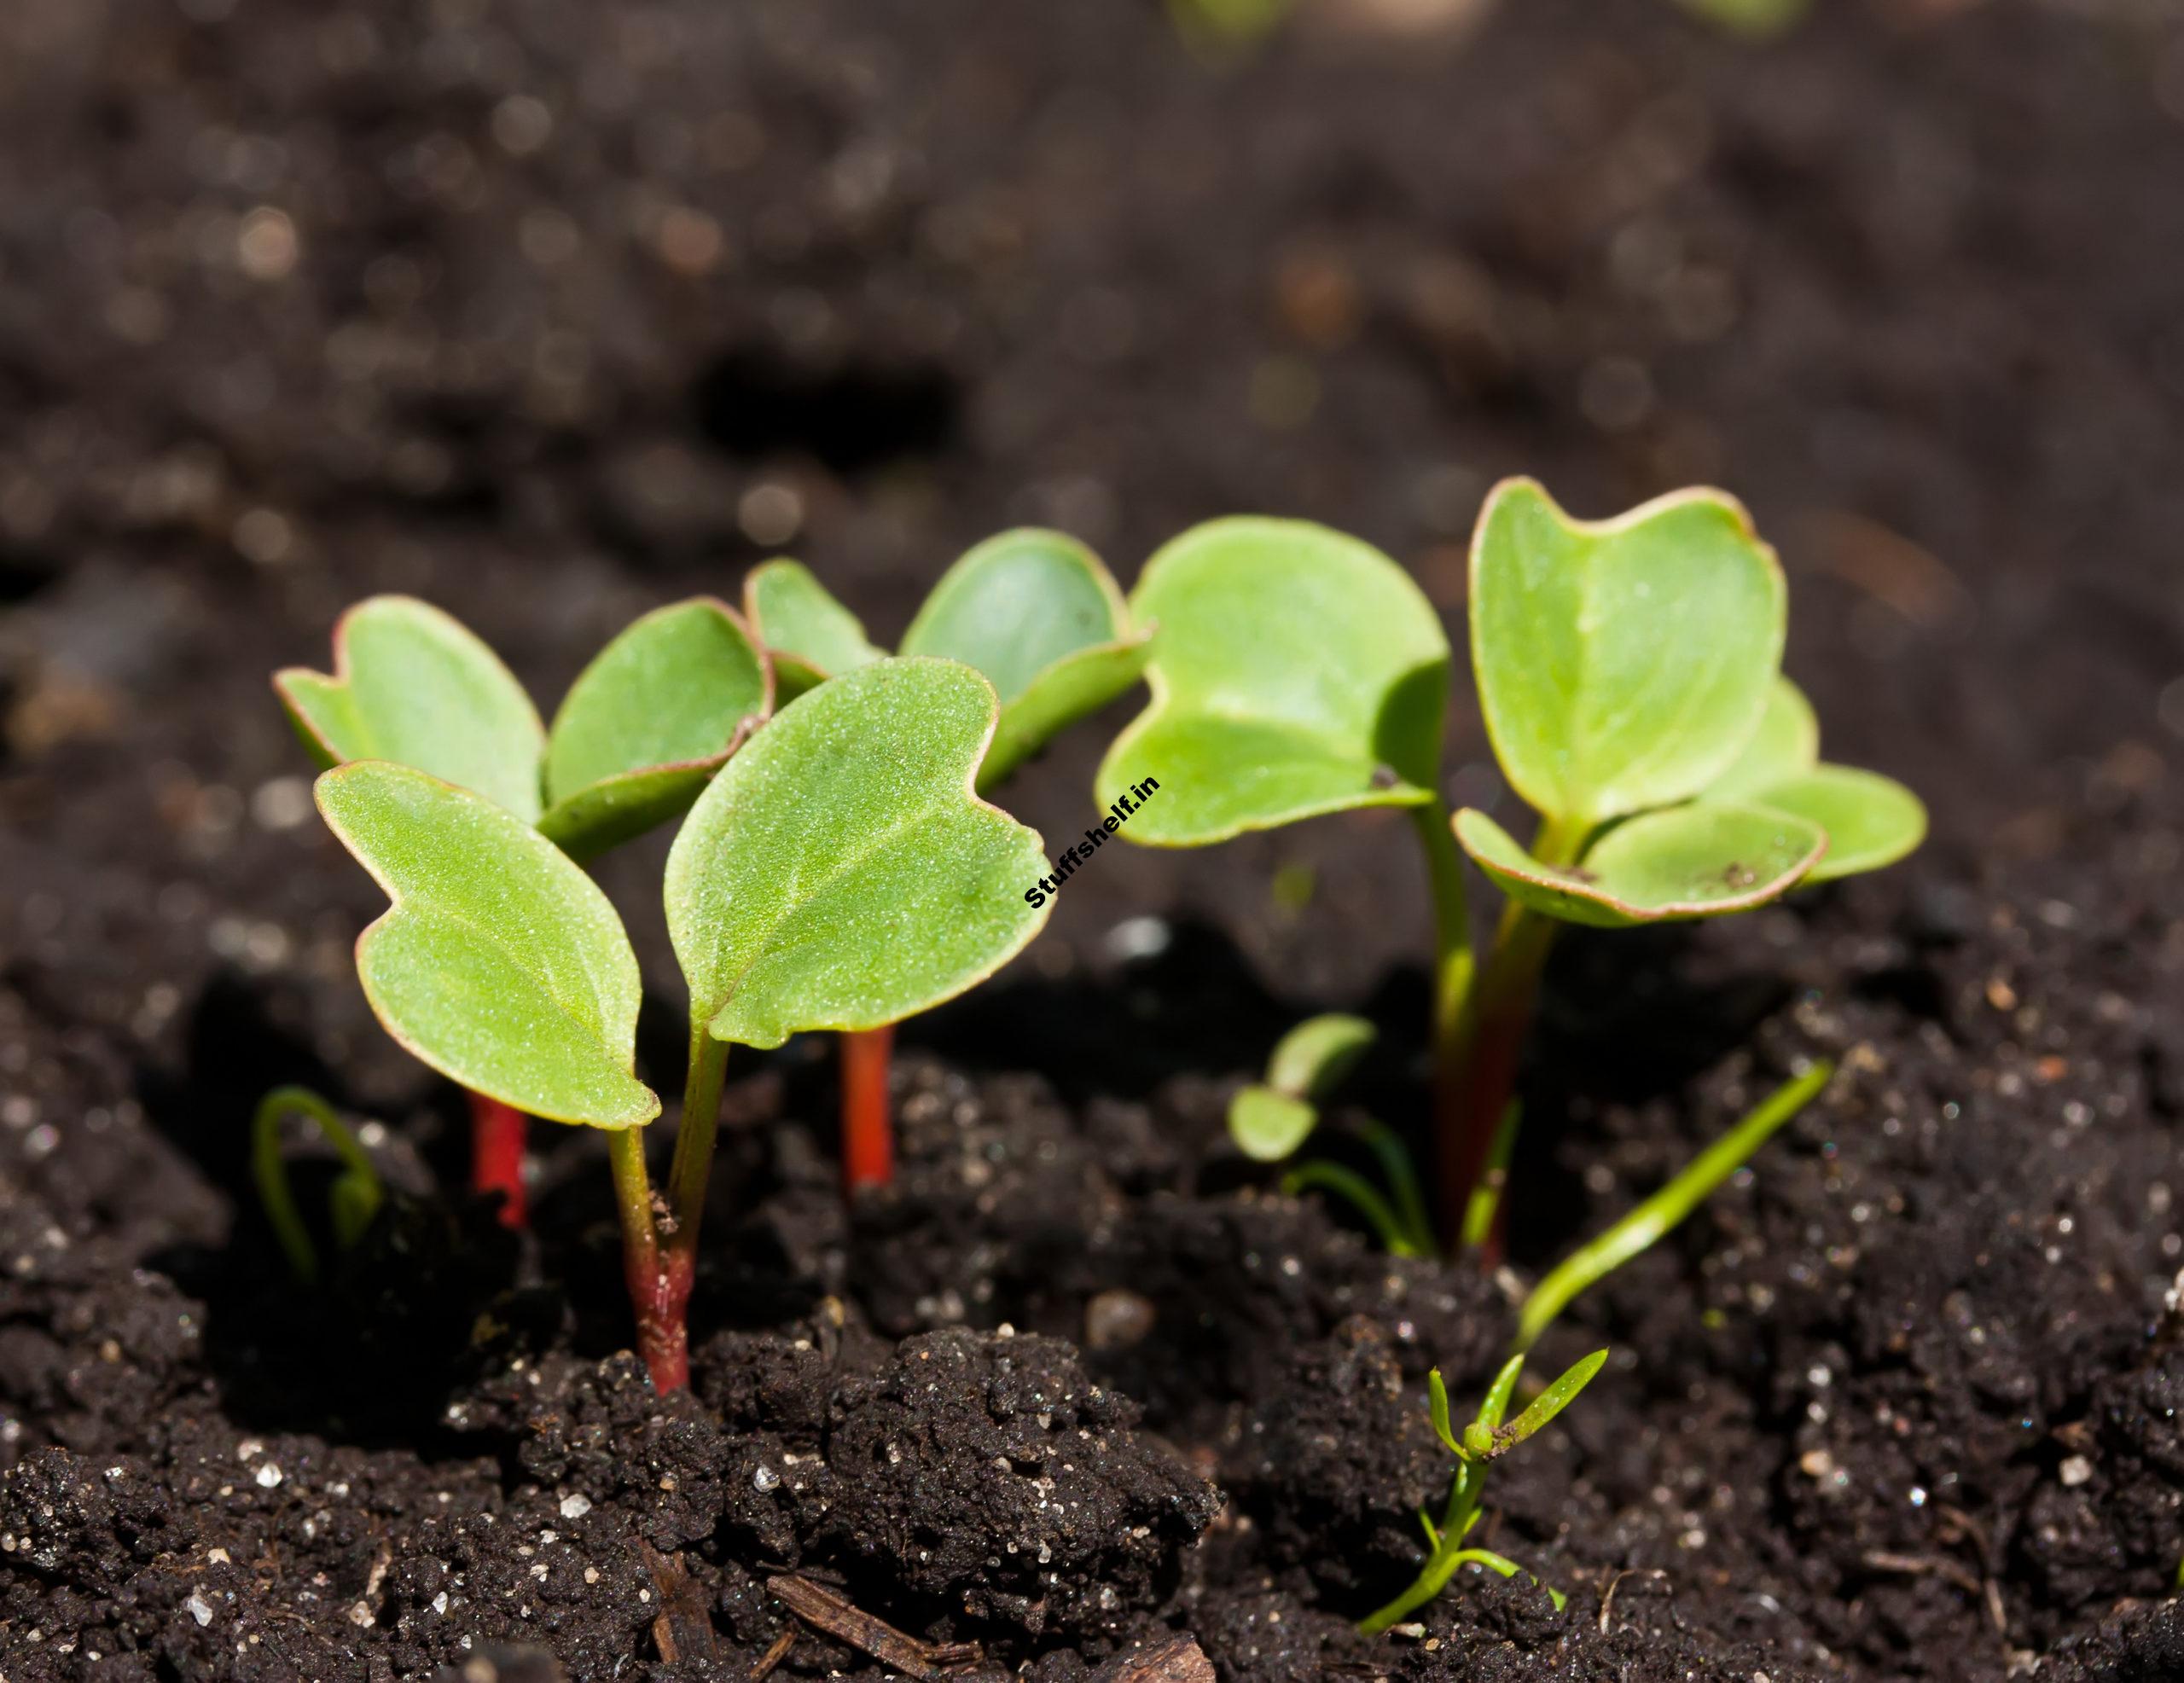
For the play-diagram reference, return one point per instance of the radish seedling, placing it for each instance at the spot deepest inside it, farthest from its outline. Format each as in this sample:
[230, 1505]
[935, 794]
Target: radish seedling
[1628, 674]
[1270, 1121]
[641, 731]
[1039, 615]
[1485, 1438]
[1482, 1443]
[838, 873]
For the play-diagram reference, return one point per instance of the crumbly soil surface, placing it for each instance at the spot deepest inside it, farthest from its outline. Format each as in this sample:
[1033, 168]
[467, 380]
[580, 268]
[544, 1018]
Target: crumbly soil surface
[551, 312]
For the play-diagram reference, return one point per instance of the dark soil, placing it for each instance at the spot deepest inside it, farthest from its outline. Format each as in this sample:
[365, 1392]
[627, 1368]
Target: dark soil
[551, 312]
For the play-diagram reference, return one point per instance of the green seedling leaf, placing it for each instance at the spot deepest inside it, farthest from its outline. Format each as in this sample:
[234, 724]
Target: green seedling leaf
[840, 873]
[1311, 1060]
[1699, 861]
[1037, 613]
[500, 964]
[1497, 1405]
[1787, 744]
[1437, 1393]
[1871, 820]
[811, 637]
[1622, 663]
[648, 722]
[415, 686]
[1294, 671]
[1550, 1402]
[1268, 1125]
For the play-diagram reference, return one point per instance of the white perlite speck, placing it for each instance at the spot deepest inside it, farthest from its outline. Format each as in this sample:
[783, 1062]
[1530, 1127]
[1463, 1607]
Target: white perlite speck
[575, 1507]
[198, 1608]
[270, 1475]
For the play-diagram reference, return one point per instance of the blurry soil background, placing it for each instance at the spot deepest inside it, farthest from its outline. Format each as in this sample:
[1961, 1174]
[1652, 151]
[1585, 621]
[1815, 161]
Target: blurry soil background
[552, 313]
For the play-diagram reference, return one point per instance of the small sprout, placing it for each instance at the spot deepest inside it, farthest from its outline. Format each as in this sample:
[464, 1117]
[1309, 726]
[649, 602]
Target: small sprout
[1295, 671]
[353, 1199]
[1039, 617]
[1628, 676]
[1483, 1441]
[1269, 1121]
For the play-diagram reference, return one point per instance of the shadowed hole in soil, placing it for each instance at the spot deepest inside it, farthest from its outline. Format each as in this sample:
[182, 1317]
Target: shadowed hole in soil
[852, 416]
[370, 1346]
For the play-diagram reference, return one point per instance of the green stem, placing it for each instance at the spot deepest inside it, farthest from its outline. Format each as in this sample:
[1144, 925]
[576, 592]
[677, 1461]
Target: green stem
[687, 1177]
[357, 1195]
[1483, 1214]
[1591, 1262]
[1432, 1581]
[1362, 1196]
[1453, 959]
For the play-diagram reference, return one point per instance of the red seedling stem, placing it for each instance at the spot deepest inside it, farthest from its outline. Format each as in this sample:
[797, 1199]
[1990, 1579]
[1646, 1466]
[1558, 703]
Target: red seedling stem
[497, 1140]
[1481, 1023]
[1477, 1069]
[660, 1235]
[867, 1129]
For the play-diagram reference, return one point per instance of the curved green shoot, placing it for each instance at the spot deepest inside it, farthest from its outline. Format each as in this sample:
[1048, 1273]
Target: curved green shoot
[353, 1199]
[1661, 1214]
